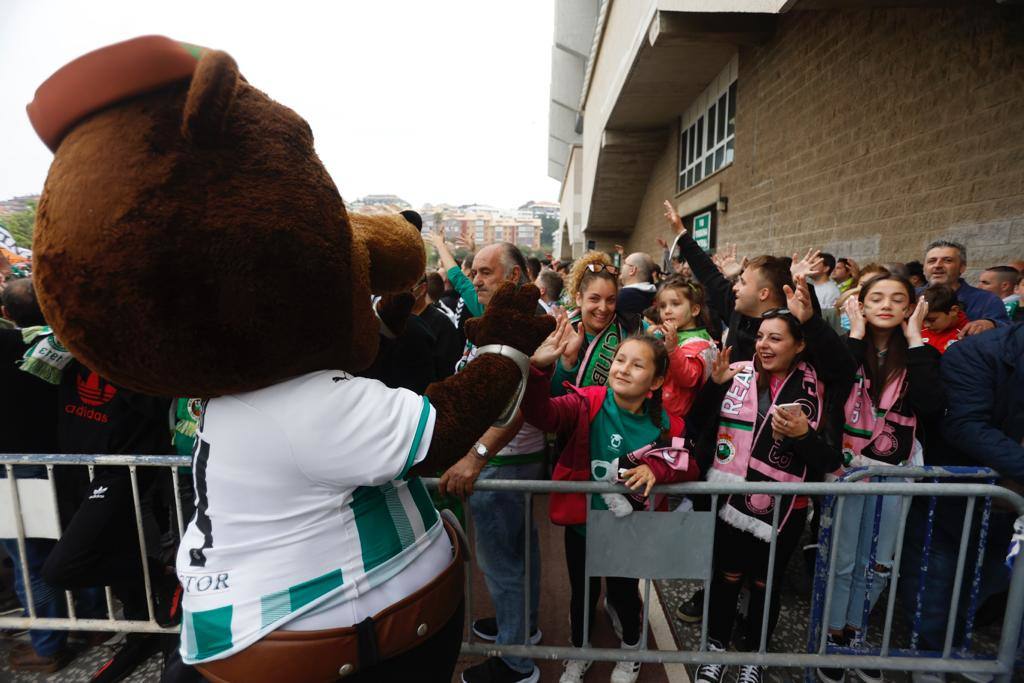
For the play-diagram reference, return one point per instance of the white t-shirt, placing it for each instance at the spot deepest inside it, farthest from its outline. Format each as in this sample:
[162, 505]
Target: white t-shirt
[303, 516]
[827, 293]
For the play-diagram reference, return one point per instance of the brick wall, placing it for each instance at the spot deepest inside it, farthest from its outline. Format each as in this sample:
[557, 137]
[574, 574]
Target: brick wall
[870, 133]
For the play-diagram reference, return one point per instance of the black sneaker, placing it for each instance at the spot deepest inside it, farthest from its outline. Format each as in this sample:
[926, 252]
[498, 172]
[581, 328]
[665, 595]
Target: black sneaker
[828, 674]
[692, 609]
[136, 650]
[487, 629]
[750, 673]
[711, 673]
[494, 670]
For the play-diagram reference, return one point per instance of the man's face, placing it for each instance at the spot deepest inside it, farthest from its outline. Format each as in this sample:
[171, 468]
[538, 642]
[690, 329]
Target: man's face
[748, 292]
[942, 266]
[628, 274]
[994, 282]
[488, 273]
[841, 272]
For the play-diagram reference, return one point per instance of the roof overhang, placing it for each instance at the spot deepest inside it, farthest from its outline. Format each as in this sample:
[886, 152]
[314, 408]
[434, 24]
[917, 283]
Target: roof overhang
[680, 55]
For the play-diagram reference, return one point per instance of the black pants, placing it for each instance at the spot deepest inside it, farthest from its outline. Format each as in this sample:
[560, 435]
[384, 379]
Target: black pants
[740, 556]
[623, 593]
[100, 546]
[433, 661]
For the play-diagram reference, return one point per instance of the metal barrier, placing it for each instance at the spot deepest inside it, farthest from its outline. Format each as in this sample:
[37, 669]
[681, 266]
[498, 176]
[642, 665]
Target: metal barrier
[694, 566]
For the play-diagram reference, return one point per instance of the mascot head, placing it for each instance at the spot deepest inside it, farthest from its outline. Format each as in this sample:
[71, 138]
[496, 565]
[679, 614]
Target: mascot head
[189, 241]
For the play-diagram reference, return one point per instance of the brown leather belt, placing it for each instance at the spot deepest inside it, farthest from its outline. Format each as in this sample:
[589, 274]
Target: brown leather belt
[324, 656]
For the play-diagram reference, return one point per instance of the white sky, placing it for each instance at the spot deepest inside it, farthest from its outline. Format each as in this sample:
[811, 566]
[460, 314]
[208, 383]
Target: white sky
[441, 101]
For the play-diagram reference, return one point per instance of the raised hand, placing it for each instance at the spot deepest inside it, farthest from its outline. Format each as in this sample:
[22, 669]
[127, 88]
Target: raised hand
[798, 300]
[855, 312]
[721, 372]
[662, 243]
[913, 325]
[673, 218]
[671, 332]
[806, 265]
[728, 264]
[511, 319]
[554, 346]
[572, 349]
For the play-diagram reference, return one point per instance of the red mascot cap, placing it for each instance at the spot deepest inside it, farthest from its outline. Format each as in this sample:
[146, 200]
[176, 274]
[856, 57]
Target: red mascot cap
[105, 76]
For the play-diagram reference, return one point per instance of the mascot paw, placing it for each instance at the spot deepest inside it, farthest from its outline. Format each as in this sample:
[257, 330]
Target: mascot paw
[617, 503]
[511, 319]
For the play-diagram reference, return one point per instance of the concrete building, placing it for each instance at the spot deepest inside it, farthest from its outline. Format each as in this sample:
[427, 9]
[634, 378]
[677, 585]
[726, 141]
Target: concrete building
[863, 128]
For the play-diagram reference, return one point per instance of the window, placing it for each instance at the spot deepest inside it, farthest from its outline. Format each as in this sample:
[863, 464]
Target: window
[708, 131]
[479, 234]
[524, 234]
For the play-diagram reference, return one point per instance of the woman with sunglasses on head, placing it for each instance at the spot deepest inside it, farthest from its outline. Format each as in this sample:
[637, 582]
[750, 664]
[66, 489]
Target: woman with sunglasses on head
[773, 426]
[896, 387]
[593, 285]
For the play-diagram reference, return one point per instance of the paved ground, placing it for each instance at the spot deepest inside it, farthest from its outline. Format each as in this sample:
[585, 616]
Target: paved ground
[790, 636]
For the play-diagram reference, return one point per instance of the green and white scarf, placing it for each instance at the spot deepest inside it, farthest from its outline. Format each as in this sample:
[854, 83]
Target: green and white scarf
[597, 360]
[47, 357]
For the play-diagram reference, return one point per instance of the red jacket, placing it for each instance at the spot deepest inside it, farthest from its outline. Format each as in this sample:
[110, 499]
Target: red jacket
[572, 414]
[943, 340]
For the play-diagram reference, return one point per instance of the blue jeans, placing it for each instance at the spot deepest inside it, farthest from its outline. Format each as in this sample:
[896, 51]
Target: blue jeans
[941, 567]
[853, 556]
[500, 554]
[49, 601]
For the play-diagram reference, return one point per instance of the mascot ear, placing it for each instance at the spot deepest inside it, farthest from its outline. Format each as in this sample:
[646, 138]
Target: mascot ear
[395, 248]
[210, 96]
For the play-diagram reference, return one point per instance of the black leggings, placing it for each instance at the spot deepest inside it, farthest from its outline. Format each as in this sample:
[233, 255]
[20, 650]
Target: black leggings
[740, 556]
[623, 593]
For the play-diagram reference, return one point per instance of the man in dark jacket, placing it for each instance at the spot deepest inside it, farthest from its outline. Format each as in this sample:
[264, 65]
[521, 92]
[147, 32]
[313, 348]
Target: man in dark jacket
[983, 376]
[637, 291]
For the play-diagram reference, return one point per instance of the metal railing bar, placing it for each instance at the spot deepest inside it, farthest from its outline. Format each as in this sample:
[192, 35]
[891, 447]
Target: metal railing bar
[961, 560]
[869, 570]
[915, 629]
[894, 573]
[837, 520]
[146, 580]
[527, 537]
[770, 579]
[176, 485]
[708, 576]
[26, 578]
[69, 598]
[972, 605]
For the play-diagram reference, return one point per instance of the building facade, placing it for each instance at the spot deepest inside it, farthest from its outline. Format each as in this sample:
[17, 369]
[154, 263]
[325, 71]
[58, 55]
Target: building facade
[778, 126]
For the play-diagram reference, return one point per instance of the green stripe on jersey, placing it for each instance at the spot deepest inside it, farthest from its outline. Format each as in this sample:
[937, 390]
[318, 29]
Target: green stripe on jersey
[428, 513]
[378, 538]
[212, 630]
[403, 527]
[276, 606]
[414, 449]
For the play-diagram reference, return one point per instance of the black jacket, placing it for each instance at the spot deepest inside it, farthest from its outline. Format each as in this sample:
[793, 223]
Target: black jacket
[28, 405]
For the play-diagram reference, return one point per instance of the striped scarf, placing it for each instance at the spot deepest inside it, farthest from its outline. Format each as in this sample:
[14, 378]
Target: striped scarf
[878, 435]
[747, 450]
[46, 358]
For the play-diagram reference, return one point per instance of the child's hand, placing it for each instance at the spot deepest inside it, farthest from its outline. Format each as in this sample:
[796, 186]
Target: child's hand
[571, 353]
[641, 476]
[671, 332]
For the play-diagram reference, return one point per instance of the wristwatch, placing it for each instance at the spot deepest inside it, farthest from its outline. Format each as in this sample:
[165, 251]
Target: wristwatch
[480, 451]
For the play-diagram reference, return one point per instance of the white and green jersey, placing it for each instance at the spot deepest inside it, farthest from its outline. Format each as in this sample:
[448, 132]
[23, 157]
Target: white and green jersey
[303, 514]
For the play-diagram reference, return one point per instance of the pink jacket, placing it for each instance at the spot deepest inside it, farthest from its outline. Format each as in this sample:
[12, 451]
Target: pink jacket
[689, 366]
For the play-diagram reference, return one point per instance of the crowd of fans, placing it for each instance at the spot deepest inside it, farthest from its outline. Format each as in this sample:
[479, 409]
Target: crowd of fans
[720, 368]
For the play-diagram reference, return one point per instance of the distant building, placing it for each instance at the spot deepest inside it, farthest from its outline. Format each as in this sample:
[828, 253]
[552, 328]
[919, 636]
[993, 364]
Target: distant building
[17, 204]
[385, 200]
[866, 129]
[541, 209]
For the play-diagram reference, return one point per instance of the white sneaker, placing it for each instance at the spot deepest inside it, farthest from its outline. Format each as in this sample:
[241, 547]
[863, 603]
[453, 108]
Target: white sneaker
[575, 670]
[626, 672]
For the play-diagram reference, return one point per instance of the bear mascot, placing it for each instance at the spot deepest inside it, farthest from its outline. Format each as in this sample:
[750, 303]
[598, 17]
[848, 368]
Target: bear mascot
[189, 242]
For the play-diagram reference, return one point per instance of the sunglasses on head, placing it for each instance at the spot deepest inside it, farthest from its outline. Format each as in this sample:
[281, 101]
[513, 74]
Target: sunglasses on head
[598, 267]
[777, 313]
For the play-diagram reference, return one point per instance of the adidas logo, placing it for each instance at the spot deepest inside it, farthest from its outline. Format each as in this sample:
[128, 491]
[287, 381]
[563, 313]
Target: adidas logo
[99, 494]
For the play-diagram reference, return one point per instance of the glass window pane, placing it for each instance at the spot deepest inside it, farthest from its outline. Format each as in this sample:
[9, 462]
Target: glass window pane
[692, 152]
[711, 128]
[707, 165]
[689, 178]
[682, 150]
[699, 136]
[721, 118]
[719, 157]
[731, 127]
[729, 151]
[700, 172]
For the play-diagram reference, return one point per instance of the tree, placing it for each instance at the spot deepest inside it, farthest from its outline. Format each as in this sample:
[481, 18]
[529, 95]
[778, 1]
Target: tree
[547, 230]
[21, 225]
